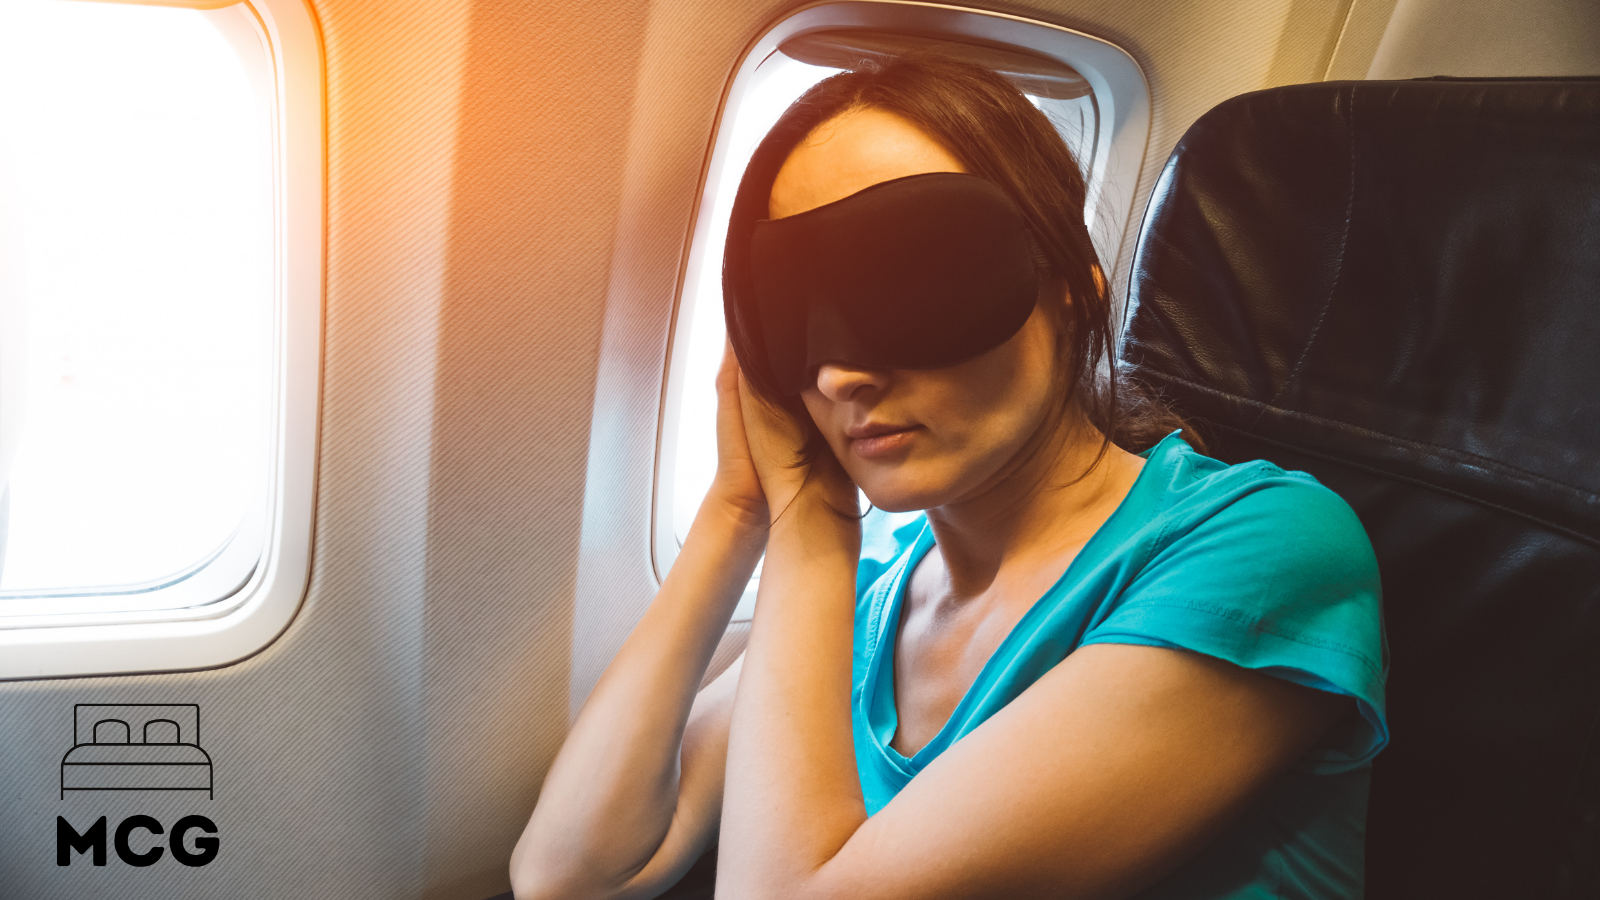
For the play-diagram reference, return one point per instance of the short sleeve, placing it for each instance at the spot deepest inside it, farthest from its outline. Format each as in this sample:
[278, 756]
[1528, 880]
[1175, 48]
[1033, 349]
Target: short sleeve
[1280, 577]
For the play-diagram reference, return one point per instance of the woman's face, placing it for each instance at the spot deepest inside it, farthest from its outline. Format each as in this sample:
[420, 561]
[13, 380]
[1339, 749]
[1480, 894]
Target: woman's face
[965, 421]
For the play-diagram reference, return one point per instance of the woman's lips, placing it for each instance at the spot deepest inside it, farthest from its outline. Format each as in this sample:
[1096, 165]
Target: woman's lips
[883, 445]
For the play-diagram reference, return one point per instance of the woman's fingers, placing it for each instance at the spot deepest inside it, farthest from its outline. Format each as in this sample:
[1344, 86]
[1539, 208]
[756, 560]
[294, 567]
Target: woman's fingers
[737, 483]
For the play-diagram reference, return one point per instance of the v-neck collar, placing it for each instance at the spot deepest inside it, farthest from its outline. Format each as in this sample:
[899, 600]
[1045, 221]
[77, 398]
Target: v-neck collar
[883, 718]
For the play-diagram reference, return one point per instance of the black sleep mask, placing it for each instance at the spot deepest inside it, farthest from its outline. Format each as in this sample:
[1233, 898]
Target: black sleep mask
[918, 272]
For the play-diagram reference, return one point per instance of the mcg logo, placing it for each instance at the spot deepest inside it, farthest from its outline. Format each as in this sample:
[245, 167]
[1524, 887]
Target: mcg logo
[136, 747]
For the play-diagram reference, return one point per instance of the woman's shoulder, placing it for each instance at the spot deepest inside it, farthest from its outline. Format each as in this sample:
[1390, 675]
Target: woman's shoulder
[1187, 470]
[1263, 567]
[1253, 497]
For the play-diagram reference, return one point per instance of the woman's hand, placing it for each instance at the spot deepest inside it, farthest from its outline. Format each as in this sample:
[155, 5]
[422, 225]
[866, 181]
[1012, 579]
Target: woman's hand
[773, 441]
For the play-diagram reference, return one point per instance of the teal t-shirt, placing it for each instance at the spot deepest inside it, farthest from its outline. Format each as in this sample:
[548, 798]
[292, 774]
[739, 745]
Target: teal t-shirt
[1249, 563]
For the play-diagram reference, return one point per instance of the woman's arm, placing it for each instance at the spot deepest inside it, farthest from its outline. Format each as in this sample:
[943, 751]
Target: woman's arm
[635, 792]
[611, 796]
[1106, 774]
[793, 795]
[1110, 770]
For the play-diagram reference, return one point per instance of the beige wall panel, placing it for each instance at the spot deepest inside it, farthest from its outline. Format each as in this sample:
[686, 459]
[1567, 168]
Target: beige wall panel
[1489, 38]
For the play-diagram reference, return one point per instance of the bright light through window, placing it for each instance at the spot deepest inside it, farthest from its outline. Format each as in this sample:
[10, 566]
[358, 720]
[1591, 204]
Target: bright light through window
[137, 296]
[781, 81]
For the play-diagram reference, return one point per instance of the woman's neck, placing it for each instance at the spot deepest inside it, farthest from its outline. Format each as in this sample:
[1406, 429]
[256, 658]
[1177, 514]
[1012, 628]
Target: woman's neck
[1032, 516]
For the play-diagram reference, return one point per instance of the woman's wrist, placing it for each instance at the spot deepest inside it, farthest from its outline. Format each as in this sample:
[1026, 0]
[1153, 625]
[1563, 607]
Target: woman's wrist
[813, 519]
[820, 502]
[740, 514]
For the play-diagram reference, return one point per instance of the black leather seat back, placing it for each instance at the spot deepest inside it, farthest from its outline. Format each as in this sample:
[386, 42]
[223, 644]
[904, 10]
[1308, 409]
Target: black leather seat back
[1395, 286]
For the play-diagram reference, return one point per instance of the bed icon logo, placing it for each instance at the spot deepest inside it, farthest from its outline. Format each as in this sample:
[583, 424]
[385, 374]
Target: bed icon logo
[136, 747]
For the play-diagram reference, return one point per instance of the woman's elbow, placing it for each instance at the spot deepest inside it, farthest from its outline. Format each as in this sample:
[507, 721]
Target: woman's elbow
[528, 883]
[533, 878]
[529, 880]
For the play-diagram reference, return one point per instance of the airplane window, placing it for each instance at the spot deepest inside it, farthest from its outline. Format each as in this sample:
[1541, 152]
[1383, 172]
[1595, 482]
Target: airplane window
[141, 193]
[146, 322]
[1041, 63]
[779, 81]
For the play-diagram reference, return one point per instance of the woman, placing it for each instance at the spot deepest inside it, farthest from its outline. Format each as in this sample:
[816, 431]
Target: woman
[1082, 672]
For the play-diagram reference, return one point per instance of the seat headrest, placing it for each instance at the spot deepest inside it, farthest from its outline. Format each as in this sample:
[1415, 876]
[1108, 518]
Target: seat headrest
[1415, 261]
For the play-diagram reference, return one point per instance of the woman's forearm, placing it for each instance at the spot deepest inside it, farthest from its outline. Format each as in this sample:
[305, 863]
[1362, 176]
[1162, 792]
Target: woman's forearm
[793, 796]
[611, 792]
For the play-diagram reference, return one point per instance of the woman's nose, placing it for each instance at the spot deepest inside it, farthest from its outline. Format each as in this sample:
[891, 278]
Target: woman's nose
[838, 381]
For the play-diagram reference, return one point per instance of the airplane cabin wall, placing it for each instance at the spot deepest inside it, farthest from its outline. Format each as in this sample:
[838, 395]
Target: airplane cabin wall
[510, 189]
[1532, 37]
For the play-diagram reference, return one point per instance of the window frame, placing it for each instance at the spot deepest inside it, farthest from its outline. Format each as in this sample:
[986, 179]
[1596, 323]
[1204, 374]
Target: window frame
[236, 618]
[1120, 92]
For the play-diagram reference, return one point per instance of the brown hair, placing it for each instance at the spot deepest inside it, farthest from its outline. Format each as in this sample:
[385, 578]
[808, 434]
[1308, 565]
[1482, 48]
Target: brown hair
[984, 121]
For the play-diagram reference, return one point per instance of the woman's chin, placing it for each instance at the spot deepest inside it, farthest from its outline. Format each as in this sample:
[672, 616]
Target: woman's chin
[890, 497]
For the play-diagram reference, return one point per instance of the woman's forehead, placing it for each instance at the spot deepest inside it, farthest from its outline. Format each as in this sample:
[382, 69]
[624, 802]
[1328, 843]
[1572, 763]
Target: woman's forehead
[854, 150]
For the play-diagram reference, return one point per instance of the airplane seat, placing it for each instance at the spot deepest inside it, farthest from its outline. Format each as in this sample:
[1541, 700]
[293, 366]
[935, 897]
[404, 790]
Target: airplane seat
[1395, 286]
